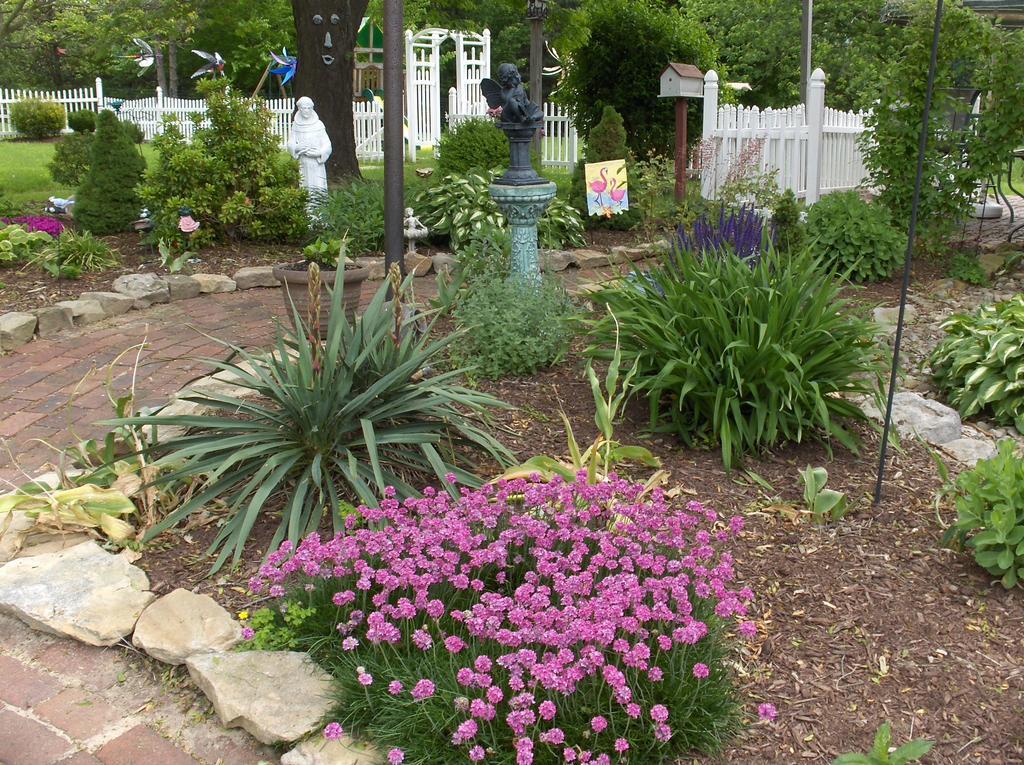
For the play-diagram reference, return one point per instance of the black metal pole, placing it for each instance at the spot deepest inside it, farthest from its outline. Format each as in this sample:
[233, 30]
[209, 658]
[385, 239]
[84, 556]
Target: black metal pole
[911, 234]
[394, 146]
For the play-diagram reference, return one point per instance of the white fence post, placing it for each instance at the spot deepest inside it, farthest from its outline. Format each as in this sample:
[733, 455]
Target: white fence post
[410, 95]
[815, 132]
[99, 94]
[453, 105]
[709, 163]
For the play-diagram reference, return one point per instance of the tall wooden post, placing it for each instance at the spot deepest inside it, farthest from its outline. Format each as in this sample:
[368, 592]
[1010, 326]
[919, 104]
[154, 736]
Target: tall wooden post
[682, 112]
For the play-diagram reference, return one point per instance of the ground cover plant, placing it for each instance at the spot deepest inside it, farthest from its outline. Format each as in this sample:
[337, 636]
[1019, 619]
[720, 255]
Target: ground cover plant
[521, 623]
[512, 326]
[979, 366]
[855, 238]
[967, 268]
[324, 425]
[738, 356]
[990, 514]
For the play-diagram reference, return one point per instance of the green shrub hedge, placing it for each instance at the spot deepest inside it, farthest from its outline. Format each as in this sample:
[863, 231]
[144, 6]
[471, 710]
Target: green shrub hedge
[37, 119]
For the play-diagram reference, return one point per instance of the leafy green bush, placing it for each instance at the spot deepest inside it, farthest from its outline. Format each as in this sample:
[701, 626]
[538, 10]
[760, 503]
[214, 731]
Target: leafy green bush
[475, 145]
[233, 175]
[854, 238]
[82, 121]
[512, 327]
[967, 268]
[990, 514]
[460, 204]
[37, 119]
[787, 227]
[17, 243]
[323, 424]
[738, 356]
[609, 67]
[980, 364]
[70, 161]
[107, 201]
[356, 211]
[77, 253]
[8, 208]
[487, 251]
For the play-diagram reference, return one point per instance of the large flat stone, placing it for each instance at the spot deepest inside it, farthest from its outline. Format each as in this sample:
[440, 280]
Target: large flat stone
[888, 316]
[970, 451]
[183, 623]
[146, 289]
[83, 593]
[255, 276]
[376, 266]
[84, 311]
[590, 258]
[16, 329]
[275, 695]
[52, 320]
[213, 283]
[344, 751]
[182, 287]
[552, 261]
[914, 415]
[418, 265]
[444, 262]
[114, 303]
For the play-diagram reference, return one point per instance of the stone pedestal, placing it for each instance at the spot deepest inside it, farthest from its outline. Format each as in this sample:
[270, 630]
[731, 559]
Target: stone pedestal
[522, 207]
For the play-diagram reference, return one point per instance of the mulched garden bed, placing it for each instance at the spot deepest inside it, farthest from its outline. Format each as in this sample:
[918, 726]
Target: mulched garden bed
[865, 620]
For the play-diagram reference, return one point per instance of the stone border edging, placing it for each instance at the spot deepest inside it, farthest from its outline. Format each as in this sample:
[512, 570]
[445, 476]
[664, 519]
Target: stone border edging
[139, 291]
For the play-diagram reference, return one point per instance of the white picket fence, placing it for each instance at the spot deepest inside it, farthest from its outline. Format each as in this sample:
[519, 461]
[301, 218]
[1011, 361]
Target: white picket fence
[73, 100]
[811, 149]
[560, 145]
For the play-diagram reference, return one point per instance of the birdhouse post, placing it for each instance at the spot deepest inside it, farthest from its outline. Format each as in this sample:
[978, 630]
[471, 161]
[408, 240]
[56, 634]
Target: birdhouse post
[681, 82]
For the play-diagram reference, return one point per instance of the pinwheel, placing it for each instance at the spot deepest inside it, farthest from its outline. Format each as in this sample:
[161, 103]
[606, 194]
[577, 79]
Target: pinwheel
[286, 65]
[145, 58]
[214, 67]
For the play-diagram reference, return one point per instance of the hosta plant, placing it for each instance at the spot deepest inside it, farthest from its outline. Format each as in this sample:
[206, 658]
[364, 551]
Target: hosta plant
[524, 622]
[742, 357]
[854, 238]
[990, 514]
[980, 363]
[82, 508]
[461, 204]
[18, 244]
[880, 754]
[323, 424]
[822, 503]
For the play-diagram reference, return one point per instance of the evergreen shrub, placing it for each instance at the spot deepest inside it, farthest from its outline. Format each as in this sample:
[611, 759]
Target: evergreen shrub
[37, 119]
[107, 201]
[475, 145]
[82, 121]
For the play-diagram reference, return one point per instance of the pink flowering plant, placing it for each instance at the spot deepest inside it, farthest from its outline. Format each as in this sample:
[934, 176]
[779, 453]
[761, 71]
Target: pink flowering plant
[523, 622]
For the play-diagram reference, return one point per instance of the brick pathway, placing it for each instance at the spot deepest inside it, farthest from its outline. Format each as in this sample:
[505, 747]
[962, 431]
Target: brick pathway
[69, 703]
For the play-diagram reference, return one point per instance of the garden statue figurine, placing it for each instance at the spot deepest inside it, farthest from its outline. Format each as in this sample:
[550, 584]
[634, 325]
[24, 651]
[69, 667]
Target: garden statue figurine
[413, 229]
[310, 145]
[508, 95]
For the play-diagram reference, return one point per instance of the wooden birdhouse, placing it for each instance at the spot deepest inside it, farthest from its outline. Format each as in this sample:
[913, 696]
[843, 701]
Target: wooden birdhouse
[682, 81]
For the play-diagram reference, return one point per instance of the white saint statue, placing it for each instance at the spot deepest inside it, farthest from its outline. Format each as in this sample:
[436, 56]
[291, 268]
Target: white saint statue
[310, 145]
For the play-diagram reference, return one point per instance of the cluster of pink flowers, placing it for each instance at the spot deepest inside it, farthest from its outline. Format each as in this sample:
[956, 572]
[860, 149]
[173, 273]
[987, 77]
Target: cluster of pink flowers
[548, 585]
[43, 223]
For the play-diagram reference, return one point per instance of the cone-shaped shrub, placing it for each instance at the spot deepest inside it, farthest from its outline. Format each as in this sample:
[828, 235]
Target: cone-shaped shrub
[107, 201]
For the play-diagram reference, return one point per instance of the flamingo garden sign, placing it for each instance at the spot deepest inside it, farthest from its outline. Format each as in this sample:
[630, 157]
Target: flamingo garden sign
[607, 188]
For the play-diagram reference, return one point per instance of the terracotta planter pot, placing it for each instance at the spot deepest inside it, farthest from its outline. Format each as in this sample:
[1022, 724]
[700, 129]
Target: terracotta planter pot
[295, 283]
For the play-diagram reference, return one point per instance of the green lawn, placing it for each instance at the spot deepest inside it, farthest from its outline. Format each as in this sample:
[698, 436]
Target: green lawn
[25, 180]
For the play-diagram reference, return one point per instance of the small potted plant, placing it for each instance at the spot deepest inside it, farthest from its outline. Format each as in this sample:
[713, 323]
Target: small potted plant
[330, 255]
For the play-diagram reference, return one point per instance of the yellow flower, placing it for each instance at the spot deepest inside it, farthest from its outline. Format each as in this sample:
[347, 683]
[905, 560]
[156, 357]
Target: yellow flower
[243, 615]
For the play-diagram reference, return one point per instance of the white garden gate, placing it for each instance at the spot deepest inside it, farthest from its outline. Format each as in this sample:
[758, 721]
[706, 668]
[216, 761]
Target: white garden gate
[423, 79]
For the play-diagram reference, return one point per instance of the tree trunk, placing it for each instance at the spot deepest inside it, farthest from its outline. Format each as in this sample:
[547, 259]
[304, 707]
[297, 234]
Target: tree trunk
[329, 82]
[161, 74]
[172, 69]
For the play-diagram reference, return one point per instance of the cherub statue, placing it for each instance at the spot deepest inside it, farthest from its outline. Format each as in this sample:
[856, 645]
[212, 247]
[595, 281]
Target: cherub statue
[413, 229]
[508, 95]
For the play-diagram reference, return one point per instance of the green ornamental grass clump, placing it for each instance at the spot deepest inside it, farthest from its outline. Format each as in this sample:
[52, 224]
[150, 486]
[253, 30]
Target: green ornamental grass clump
[474, 145]
[980, 363]
[520, 623]
[854, 238]
[107, 201]
[232, 175]
[320, 425]
[355, 211]
[990, 514]
[512, 327]
[37, 119]
[742, 355]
